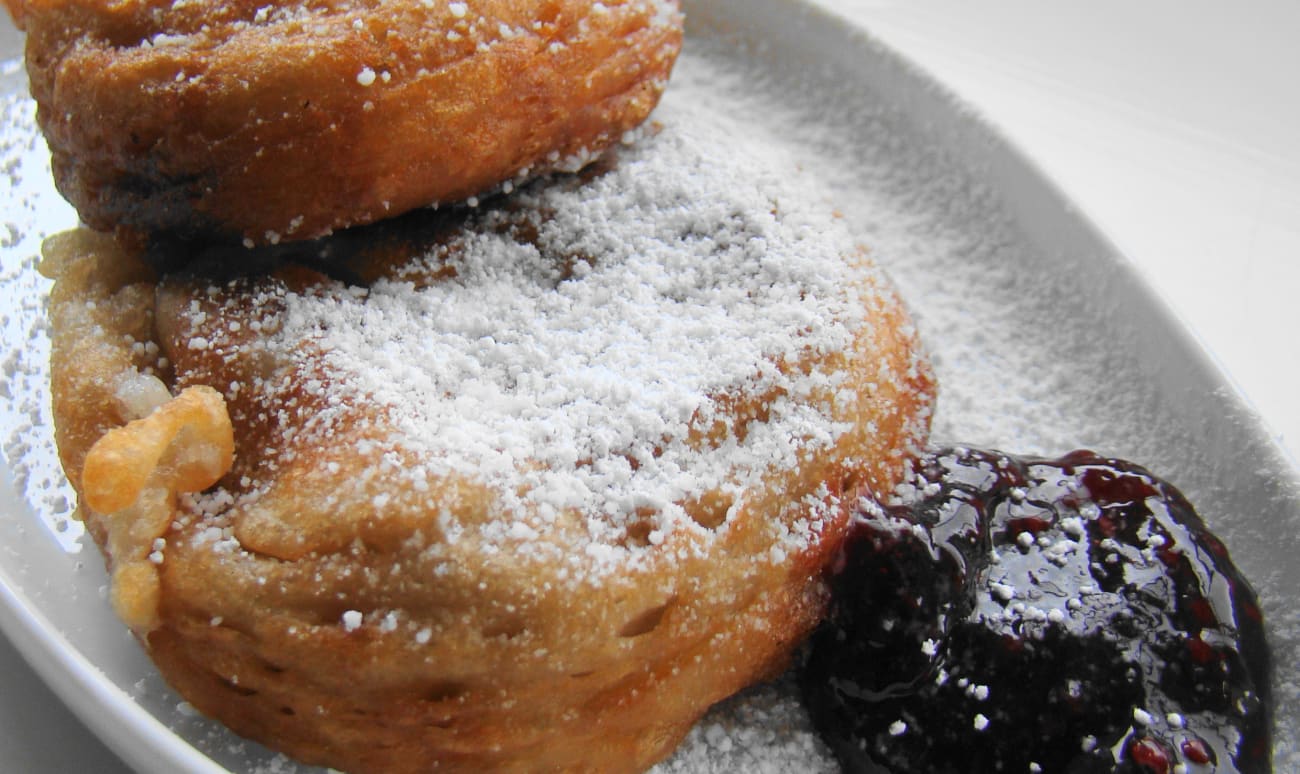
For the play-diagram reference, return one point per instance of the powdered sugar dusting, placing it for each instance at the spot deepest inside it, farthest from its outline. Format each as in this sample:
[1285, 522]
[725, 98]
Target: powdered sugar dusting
[24, 366]
[691, 273]
[763, 730]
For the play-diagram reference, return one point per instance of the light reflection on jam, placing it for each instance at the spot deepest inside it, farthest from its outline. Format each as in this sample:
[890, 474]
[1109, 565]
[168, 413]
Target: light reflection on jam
[1020, 615]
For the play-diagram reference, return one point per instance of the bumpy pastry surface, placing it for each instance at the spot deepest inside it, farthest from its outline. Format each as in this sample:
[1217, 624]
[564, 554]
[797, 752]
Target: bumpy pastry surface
[526, 487]
[278, 121]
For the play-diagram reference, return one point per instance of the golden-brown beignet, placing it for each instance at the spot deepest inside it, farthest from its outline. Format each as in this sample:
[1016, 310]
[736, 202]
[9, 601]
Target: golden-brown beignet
[263, 122]
[527, 487]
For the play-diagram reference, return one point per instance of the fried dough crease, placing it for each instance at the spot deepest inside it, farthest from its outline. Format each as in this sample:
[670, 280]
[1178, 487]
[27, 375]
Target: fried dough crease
[264, 122]
[526, 487]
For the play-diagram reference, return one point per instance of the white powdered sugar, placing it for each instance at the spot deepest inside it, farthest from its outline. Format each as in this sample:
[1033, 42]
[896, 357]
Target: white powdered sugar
[696, 268]
[27, 440]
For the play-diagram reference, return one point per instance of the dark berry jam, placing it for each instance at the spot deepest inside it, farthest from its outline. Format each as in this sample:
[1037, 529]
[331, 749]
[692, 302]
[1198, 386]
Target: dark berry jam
[1025, 615]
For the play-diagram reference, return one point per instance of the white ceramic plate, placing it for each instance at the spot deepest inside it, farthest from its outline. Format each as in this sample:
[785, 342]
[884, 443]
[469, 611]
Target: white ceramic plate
[1043, 339]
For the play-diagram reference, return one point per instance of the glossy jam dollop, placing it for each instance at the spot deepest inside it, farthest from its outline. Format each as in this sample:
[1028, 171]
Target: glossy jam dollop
[1032, 615]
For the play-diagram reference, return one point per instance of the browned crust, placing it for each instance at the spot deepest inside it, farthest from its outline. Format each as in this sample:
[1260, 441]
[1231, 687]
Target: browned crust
[610, 680]
[208, 119]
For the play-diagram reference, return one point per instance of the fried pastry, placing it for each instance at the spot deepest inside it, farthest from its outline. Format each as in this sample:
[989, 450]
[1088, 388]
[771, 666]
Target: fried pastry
[523, 487]
[267, 122]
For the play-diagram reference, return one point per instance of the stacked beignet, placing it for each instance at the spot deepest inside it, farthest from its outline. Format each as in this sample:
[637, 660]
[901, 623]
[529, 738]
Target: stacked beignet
[522, 487]
[258, 121]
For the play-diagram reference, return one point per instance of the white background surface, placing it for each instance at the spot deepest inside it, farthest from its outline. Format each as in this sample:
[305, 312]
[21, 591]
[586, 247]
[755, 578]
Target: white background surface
[1172, 125]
